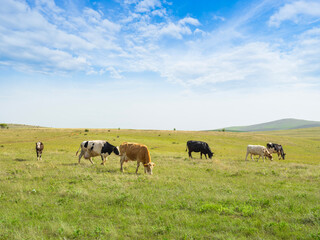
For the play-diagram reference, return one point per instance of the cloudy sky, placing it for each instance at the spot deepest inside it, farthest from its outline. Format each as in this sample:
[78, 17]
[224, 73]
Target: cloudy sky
[158, 64]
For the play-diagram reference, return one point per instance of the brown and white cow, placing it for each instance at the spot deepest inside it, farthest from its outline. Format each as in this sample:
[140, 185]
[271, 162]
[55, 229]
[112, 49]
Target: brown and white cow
[95, 148]
[39, 149]
[136, 152]
[258, 150]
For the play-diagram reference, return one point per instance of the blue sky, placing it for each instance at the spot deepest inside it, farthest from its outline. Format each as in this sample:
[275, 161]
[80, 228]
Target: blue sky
[158, 64]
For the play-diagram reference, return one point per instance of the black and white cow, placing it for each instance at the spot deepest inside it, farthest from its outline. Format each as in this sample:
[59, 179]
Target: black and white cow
[95, 148]
[198, 146]
[39, 149]
[276, 148]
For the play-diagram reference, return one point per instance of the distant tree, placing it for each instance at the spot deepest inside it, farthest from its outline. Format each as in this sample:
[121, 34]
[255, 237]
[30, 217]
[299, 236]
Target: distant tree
[118, 128]
[223, 129]
[174, 129]
[86, 130]
[3, 125]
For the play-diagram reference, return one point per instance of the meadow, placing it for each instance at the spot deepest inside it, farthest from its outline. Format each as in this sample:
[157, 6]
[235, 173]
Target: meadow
[220, 198]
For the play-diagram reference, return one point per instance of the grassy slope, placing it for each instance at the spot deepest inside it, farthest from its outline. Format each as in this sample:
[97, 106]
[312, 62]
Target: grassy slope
[11, 125]
[222, 198]
[283, 124]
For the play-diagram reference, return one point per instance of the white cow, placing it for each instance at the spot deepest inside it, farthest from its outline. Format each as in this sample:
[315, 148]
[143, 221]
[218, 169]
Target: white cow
[258, 150]
[95, 148]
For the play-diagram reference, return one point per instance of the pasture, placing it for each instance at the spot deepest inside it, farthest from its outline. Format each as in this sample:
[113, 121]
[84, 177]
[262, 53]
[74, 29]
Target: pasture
[221, 198]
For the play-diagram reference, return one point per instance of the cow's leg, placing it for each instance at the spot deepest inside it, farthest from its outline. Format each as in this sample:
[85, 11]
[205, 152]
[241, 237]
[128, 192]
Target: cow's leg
[279, 156]
[190, 156]
[37, 156]
[40, 156]
[90, 159]
[258, 158]
[138, 164]
[80, 156]
[247, 156]
[122, 158]
[102, 158]
[205, 155]
[251, 157]
[201, 155]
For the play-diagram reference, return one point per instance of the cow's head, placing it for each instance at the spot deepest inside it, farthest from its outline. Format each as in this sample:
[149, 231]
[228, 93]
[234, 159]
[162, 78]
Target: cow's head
[116, 150]
[267, 154]
[148, 167]
[210, 154]
[38, 145]
[283, 155]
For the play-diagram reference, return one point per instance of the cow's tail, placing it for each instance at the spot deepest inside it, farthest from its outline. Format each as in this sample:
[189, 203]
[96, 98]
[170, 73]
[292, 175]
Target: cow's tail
[78, 150]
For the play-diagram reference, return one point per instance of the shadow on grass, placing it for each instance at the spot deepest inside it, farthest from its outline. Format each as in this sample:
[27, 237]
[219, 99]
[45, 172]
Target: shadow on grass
[20, 160]
[105, 170]
[69, 164]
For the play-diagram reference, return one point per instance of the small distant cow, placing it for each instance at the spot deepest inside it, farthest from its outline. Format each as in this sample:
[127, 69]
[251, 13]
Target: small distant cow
[198, 146]
[95, 148]
[39, 149]
[276, 148]
[136, 152]
[258, 150]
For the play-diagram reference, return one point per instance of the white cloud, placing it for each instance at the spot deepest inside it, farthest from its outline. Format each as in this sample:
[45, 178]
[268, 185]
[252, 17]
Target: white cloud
[295, 12]
[189, 20]
[25, 30]
[220, 18]
[147, 5]
[252, 63]
[230, 67]
[138, 42]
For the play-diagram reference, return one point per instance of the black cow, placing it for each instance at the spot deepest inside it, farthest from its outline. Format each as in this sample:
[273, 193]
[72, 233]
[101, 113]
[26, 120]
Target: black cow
[198, 146]
[39, 149]
[273, 147]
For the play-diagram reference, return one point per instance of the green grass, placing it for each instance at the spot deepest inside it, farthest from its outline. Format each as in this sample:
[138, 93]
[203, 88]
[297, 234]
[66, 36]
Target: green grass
[222, 198]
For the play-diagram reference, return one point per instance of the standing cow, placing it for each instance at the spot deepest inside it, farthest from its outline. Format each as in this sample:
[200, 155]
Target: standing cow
[276, 148]
[258, 150]
[39, 149]
[136, 152]
[198, 146]
[95, 148]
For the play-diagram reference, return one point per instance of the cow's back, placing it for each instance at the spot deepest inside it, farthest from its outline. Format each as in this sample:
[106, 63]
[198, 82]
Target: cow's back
[135, 152]
[255, 149]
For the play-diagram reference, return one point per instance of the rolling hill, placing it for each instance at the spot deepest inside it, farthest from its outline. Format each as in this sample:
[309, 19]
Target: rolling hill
[283, 124]
[13, 125]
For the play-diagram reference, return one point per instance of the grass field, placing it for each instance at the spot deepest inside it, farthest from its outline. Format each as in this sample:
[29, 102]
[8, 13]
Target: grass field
[222, 198]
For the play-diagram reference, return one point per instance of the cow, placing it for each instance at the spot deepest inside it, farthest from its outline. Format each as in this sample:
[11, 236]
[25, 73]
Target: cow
[276, 148]
[198, 146]
[39, 149]
[136, 152]
[258, 150]
[95, 148]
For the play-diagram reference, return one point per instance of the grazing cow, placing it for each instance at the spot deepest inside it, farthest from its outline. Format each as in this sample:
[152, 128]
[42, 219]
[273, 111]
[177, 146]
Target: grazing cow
[198, 146]
[258, 150]
[136, 152]
[276, 148]
[39, 149]
[95, 148]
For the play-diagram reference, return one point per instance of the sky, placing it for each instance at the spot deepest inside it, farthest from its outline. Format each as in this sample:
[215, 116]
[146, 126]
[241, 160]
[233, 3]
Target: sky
[158, 64]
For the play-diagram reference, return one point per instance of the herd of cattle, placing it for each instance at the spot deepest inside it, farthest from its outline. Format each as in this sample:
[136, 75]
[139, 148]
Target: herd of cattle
[140, 153]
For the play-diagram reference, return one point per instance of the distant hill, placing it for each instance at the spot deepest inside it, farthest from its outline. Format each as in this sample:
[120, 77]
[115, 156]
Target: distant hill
[10, 125]
[283, 124]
